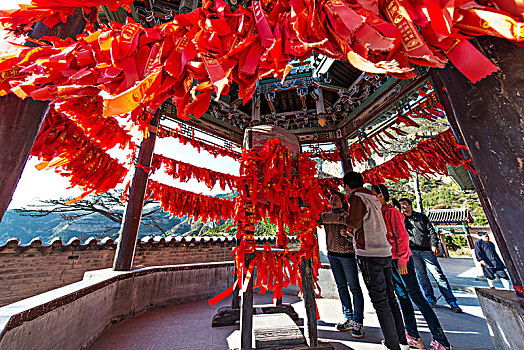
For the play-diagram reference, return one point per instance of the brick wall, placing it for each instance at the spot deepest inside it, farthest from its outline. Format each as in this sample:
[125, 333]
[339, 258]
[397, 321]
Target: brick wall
[27, 270]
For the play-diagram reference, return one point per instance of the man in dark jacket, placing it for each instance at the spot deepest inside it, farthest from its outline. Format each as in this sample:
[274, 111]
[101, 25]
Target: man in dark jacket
[423, 242]
[492, 265]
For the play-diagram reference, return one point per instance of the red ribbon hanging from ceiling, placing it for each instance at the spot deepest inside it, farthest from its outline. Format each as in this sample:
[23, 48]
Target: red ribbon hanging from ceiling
[141, 67]
[51, 12]
[332, 156]
[180, 202]
[198, 144]
[62, 145]
[86, 112]
[184, 171]
[428, 157]
[270, 188]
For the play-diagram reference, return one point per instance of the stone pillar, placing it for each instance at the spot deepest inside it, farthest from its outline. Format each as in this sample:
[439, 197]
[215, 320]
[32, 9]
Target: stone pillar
[20, 120]
[488, 117]
[128, 234]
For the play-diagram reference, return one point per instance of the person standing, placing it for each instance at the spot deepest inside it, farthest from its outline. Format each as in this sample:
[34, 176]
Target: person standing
[405, 277]
[492, 265]
[341, 255]
[423, 242]
[373, 253]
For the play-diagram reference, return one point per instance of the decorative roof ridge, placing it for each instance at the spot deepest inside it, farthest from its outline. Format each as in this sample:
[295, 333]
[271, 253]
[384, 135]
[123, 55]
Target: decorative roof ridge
[92, 243]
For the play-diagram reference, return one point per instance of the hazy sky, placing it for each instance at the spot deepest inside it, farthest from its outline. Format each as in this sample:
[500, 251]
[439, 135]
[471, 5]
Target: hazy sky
[47, 184]
[11, 4]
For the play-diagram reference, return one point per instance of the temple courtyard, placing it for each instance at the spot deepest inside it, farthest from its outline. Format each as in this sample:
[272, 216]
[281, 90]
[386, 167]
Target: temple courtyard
[188, 326]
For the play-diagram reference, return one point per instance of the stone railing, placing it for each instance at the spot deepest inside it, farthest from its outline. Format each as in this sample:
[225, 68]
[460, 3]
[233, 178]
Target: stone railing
[74, 316]
[35, 268]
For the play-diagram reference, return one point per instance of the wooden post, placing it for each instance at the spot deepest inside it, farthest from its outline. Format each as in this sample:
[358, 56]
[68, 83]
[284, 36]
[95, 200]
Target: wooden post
[235, 298]
[488, 117]
[246, 311]
[20, 120]
[310, 328]
[418, 196]
[342, 145]
[246, 306]
[443, 242]
[465, 227]
[128, 234]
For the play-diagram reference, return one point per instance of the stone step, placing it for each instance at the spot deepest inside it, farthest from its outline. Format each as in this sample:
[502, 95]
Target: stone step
[276, 330]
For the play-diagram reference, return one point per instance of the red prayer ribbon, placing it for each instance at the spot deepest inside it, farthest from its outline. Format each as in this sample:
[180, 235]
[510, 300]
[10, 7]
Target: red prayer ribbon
[184, 171]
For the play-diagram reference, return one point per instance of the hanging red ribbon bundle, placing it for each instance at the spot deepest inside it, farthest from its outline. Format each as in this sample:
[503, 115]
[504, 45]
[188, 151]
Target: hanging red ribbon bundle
[428, 157]
[199, 145]
[184, 171]
[50, 12]
[329, 185]
[358, 152]
[141, 67]
[62, 145]
[86, 112]
[332, 156]
[285, 190]
[180, 202]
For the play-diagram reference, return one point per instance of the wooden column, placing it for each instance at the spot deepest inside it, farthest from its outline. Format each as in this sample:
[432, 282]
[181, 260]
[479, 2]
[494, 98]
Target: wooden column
[471, 244]
[246, 296]
[416, 189]
[342, 145]
[443, 242]
[235, 298]
[246, 311]
[20, 120]
[308, 291]
[488, 116]
[128, 234]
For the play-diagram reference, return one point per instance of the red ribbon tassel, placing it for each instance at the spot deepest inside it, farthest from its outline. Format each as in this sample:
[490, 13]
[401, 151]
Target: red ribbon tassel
[430, 156]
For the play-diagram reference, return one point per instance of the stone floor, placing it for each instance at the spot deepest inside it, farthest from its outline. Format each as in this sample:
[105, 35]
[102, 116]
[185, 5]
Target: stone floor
[188, 326]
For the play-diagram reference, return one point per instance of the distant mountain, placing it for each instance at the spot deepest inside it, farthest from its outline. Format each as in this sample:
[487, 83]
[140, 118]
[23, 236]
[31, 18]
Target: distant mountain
[48, 227]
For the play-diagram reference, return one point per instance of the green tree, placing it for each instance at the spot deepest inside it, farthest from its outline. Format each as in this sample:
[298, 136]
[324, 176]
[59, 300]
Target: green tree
[438, 194]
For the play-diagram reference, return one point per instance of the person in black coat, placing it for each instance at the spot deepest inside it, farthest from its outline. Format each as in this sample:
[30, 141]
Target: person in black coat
[492, 265]
[423, 242]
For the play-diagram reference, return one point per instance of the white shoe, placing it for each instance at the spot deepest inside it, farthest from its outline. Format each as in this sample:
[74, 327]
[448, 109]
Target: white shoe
[402, 347]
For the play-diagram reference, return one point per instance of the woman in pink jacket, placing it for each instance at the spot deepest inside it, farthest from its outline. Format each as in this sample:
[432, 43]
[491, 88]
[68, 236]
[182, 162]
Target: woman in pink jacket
[405, 278]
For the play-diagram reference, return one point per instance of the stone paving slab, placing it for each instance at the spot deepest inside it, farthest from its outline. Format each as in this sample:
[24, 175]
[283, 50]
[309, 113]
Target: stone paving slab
[188, 326]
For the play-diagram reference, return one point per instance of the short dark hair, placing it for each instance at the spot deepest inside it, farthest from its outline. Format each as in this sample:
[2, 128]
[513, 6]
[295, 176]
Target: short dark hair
[406, 200]
[381, 189]
[353, 180]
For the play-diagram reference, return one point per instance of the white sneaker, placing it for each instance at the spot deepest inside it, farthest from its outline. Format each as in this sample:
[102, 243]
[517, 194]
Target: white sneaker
[384, 345]
[402, 347]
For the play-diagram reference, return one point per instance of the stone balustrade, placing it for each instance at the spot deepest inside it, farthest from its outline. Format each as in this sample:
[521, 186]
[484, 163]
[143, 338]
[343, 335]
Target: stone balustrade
[34, 268]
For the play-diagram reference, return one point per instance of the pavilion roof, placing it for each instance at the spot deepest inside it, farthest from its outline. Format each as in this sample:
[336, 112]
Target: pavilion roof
[450, 216]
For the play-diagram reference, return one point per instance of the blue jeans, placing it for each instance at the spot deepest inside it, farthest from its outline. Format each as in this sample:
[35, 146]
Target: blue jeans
[346, 274]
[407, 290]
[426, 259]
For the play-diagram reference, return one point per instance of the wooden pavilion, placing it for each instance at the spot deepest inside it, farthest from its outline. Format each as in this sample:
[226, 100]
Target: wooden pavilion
[454, 220]
[322, 102]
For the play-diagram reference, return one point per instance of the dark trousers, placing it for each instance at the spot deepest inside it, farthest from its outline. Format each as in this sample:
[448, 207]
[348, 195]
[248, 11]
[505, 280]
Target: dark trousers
[377, 273]
[408, 289]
